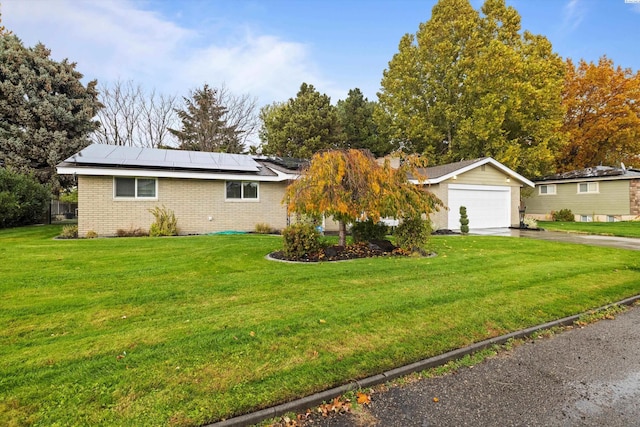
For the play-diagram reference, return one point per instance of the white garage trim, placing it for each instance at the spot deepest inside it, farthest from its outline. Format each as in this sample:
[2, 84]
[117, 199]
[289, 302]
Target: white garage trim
[488, 206]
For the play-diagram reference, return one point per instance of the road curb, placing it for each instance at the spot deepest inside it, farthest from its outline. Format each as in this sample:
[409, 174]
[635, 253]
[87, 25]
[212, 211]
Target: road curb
[302, 404]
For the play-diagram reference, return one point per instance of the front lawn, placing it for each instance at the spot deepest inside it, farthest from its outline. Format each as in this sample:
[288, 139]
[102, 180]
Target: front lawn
[190, 330]
[621, 229]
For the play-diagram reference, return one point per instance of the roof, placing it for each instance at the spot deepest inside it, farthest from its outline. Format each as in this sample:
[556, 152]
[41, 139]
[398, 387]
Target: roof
[115, 155]
[597, 173]
[440, 173]
[115, 160]
[286, 163]
[102, 159]
[435, 172]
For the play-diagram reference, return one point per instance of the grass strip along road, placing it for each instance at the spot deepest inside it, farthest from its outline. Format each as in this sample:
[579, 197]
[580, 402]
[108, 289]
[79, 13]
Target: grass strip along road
[619, 229]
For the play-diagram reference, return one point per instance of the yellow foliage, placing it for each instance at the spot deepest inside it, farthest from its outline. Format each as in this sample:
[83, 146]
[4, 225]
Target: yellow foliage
[350, 184]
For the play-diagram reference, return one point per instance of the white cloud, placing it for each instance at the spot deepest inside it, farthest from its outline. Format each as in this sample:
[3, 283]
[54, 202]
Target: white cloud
[264, 66]
[107, 39]
[111, 39]
[574, 13]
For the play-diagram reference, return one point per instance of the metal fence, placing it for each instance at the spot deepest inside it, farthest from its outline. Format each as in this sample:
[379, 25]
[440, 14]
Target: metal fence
[59, 211]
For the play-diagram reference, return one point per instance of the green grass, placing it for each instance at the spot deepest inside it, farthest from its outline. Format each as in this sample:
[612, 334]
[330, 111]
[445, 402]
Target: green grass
[190, 330]
[621, 229]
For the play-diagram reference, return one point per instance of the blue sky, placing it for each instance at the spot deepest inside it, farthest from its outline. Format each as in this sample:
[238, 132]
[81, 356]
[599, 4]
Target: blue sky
[268, 48]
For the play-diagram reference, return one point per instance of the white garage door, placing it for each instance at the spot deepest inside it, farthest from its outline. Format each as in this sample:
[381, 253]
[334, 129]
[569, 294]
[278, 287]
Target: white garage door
[487, 206]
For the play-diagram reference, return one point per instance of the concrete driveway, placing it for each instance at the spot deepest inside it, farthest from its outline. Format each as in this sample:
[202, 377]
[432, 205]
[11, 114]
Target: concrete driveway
[558, 236]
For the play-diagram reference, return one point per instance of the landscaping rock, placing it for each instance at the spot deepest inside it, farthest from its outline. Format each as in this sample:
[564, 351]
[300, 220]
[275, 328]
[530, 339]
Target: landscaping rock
[331, 251]
[444, 232]
[383, 245]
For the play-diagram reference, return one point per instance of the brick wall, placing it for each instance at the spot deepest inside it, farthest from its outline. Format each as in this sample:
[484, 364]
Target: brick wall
[199, 206]
[634, 197]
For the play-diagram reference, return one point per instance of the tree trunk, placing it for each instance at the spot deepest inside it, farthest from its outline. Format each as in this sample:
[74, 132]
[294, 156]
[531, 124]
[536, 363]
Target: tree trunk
[342, 233]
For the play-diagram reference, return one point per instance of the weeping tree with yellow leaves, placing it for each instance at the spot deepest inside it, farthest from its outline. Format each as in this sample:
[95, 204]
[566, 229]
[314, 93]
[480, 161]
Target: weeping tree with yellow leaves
[349, 185]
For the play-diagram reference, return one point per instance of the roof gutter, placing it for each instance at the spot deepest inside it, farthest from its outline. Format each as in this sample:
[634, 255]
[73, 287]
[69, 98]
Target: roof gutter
[159, 173]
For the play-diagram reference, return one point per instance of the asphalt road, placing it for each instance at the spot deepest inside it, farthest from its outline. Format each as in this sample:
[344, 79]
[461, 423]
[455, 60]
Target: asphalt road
[586, 376]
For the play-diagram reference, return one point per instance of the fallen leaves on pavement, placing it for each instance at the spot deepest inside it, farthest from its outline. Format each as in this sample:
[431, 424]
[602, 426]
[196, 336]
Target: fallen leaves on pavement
[363, 399]
[339, 405]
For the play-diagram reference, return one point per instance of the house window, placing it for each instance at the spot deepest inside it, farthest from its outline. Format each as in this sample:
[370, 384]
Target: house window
[135, 188]
[587, 187]
[586, 218]
[242, 190]
[611, 218]
[547, 189]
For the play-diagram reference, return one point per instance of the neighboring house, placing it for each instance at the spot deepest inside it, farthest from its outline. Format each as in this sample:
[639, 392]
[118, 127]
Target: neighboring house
[208, 192]
[213, 192]
[488, 189]
[600, 193]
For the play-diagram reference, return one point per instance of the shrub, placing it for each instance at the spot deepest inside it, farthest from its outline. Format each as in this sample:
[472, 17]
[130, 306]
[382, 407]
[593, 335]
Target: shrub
[23, 200]
[131, 232]
[365, 231]
[464, 220]
[563, 215]
[91, 234]
[300, 239]
[69, 232]
[263, 229]
[413, 233]
[165, 224]
[70, 196]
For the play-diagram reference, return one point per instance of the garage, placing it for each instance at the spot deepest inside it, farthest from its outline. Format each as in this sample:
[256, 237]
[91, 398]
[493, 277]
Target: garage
[489, 190]
[488, 206]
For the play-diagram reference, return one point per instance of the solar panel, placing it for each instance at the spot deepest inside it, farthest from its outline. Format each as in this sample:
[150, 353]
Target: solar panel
[180, 156]
[113, 155]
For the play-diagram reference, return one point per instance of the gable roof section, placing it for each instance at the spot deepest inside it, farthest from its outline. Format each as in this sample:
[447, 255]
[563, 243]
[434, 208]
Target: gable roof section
[101, 159]
[438, 174]
[596, 173]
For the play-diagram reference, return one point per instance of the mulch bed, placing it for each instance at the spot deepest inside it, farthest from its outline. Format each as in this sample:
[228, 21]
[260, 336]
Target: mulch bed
[343, 253]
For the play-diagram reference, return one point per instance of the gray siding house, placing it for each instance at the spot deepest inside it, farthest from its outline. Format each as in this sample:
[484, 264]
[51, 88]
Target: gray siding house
[600, 193]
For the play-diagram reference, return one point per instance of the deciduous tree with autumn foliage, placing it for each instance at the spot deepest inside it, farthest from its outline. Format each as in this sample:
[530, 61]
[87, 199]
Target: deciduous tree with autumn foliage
[472, 84]
[602, 119]
[349, 185]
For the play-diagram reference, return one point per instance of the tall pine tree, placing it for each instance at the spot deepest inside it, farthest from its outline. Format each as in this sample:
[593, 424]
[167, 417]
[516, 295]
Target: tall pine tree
[204, 124]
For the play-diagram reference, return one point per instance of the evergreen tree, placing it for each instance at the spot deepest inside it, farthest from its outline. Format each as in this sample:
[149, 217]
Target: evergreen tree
[301, 126]
[359, 129]
[45, 111]
[464, 220]
[205, 126]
